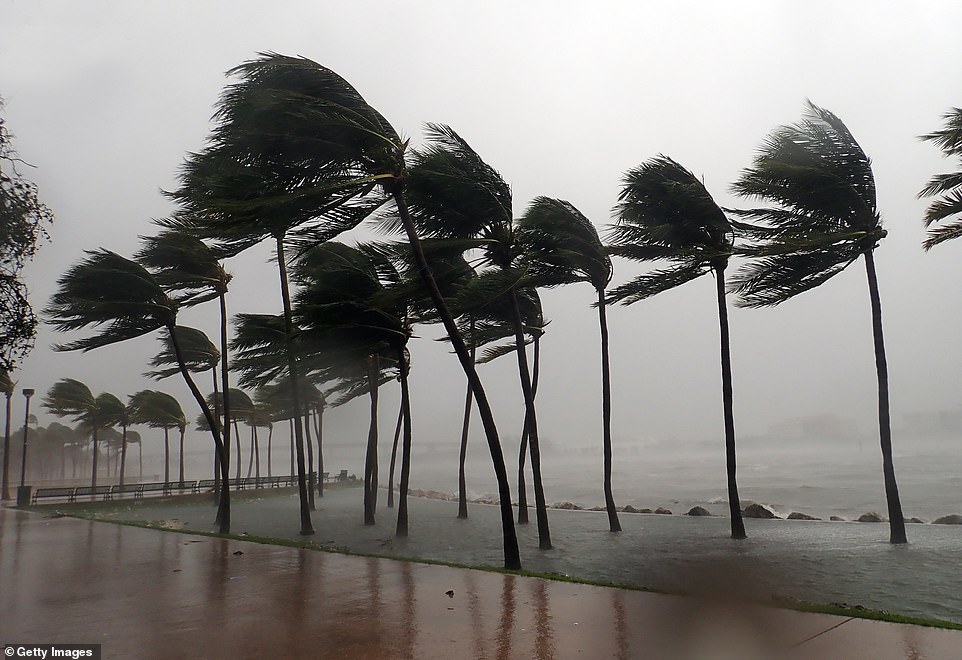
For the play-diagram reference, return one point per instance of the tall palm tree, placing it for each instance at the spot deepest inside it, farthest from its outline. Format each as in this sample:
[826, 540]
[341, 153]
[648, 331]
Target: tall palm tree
[564, 246]
[946, 188]
[160, 410]
[315, 149]
[122, 300]
[825, 216]
[6, 386]
[665, 214]
[455, 195]
[189, 269]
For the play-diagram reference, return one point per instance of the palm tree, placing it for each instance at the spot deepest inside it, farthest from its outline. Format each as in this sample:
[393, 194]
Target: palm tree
[160, 410]
[825, 217]
[565, 247]
[666, 214]
[7, 387]
[313, 149]
[71, 398]
[187, 267]
[122, 300]
[948, 187]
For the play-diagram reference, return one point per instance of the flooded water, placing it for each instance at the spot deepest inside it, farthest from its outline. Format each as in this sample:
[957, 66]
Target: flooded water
[821, 562]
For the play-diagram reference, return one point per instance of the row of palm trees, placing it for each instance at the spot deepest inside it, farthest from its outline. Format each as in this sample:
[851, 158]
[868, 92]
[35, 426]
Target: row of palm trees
[298, 157]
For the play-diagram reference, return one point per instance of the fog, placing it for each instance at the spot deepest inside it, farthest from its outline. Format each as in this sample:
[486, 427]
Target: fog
[106, 98]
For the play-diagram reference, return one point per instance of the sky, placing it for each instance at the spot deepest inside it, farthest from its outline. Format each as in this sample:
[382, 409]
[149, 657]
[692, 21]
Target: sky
[105, 98]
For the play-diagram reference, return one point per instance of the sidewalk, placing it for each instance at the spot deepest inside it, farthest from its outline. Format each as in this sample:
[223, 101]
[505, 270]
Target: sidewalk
[149, 594]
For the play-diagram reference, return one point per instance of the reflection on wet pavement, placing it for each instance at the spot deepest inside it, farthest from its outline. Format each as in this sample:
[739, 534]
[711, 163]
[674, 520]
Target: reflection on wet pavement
[146, 593]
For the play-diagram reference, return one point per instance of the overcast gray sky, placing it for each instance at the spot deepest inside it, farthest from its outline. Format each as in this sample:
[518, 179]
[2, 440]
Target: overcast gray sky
[106, 97]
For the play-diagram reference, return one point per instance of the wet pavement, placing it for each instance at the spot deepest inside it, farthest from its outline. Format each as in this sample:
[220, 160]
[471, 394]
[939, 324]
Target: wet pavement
[152, 594]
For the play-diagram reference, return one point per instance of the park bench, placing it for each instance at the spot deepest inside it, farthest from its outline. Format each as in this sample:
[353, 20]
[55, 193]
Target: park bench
[127, 489]
[181, 486]
[51, 493]
[106, 492]
[153, 487]
[204, 485]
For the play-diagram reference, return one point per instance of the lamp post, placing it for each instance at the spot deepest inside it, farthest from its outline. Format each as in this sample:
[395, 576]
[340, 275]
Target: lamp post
[23, 493]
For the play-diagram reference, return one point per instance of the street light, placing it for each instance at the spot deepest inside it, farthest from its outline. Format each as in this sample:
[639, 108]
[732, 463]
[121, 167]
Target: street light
[27, 393]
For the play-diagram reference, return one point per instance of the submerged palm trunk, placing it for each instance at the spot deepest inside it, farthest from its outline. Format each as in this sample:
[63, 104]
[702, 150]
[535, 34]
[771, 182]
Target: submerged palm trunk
[614, 524]
[370, 461]
[306, 525]
[397, 438]
[512, 555]
[896, 519]
[402, 507]
[734, 505]
[541, 509]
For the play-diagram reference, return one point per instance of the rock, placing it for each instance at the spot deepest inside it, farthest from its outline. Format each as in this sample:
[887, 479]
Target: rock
[597, 508]
[663, 510]
[915, 520]
[795, 515]
[953, 519]
[629, 509]
[645, 511]
[698, 511]
[871, 517]
[570, 506]
[837, 519]
[758, 511]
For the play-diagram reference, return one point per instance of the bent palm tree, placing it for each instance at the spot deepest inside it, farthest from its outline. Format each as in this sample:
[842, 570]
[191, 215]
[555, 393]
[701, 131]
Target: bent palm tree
[825, 217]
[564, 246]
[160, 410]
[948, 187]
[122, 300]
[666, 214]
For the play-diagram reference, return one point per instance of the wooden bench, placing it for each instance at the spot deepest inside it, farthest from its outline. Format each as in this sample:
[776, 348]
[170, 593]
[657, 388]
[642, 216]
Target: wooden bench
[204, 485]
[51, 493]
[136, 489]
[152, 487]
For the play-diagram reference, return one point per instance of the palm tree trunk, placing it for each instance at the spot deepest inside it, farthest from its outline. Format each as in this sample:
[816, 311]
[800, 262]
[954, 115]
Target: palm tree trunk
[402, 507]
[217, 457]
[270, 438]
[222, 451]
[734, 505]
[166, 457]
[397, 438]
[512, 555]
[614, 524]
[896, 519]
[93, 471]
[223, 511]
[523, 450]
[123, 454]
[237, 442]
[310, 459]
[373, 373]
[463, 453]
[6, 454]
[140, 458]
[257, 454]
[319, 432]
[250, 457]
[306, 525]
[541, 509]
[290, 431]
[180, 475]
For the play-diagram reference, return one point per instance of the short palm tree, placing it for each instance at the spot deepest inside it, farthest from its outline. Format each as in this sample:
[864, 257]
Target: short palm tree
[665, 214]
[946, 188]
[824, 217]
[564, 246]
[122, 300]
[160, 410]
[6, 387]
[71, 398]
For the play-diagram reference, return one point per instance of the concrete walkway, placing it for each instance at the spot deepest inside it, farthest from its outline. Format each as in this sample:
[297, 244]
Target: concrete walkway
[151, 594]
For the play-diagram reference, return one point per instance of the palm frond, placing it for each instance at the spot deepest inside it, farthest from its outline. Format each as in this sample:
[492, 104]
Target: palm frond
[199, 353]
[653, 283]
